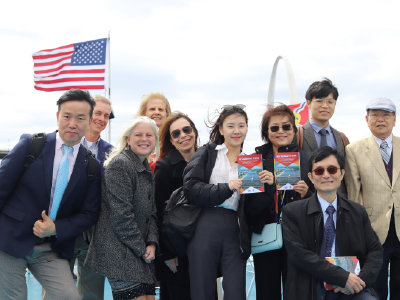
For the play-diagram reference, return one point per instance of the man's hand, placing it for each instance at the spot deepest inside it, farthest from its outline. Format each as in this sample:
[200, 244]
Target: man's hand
[45, 227]
[354, 284]
[342, 290]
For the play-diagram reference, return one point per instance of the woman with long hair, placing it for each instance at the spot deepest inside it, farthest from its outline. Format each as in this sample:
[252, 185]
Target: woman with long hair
[155, 106]
[125, 238]
[178, 139]
[278, 129]
[221, 240]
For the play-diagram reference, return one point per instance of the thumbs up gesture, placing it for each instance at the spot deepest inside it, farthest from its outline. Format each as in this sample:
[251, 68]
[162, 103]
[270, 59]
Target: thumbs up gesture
[45, 227]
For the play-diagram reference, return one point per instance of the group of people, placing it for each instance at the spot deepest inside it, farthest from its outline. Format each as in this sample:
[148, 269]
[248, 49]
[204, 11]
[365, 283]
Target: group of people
[56, 207]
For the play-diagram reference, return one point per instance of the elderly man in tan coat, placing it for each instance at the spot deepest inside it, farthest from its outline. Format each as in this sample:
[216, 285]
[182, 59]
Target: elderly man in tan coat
[372, 179]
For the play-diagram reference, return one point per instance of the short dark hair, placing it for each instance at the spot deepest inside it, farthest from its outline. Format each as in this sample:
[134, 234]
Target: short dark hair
[322, 89]
[165, 136]
[77, 95]
[215, 135]
[322, 153]
[281, 110]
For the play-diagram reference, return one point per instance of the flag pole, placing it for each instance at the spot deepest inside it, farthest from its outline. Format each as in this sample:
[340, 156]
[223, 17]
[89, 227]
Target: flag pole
[109, 87]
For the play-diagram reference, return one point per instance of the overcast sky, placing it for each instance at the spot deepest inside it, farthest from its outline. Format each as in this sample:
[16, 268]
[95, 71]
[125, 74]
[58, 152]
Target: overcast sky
[204, 54]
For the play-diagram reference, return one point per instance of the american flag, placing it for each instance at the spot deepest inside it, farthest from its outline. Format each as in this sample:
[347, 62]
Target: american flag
[80, 65]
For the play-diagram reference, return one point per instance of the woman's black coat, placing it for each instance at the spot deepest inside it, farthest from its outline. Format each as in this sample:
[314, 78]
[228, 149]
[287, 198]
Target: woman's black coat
[267, 216]
[168, 176]
[198, 191]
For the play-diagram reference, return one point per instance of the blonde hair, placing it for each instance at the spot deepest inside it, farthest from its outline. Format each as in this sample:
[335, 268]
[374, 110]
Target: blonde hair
[100, 98]
[146, 98]
[122, 143]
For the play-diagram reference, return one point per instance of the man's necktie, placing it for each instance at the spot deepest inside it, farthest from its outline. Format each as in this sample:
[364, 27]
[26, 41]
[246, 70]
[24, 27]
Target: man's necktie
[385, 154]
[61, 184]
[323, 138]
[329, 231]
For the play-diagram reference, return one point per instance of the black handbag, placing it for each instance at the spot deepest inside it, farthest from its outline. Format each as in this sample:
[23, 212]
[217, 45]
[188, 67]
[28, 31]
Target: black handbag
[180, 219]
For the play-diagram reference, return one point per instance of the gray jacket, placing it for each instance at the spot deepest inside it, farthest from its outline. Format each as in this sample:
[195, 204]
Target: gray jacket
[127, 221]
[310, 144]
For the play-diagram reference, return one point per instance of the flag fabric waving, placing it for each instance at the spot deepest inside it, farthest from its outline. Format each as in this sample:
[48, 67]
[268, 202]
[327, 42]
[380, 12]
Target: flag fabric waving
[300, 112]
[80, 65]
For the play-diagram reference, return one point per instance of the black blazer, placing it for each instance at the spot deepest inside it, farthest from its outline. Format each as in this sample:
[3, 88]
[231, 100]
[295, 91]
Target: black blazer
[168, 176]
[267, 216]
[302, 226]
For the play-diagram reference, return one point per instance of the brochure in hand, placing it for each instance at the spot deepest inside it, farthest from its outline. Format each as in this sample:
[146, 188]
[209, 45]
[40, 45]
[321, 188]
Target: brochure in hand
[348, 263]
[249, 166]
[287, 170]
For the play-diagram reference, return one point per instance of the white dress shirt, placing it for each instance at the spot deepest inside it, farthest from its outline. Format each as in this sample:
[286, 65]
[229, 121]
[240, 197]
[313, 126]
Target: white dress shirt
[389, 141]
[223, 173]
[57, 160]
[324, 205]
[92, 146]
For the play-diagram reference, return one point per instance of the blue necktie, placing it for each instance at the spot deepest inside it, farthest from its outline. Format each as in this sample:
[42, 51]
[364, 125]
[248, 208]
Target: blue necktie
[385, 154]
[329, 231]
[61, 184]
[324, 142]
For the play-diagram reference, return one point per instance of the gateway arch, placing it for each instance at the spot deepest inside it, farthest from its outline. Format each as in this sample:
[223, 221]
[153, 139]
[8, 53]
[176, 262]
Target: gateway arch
[294, 98]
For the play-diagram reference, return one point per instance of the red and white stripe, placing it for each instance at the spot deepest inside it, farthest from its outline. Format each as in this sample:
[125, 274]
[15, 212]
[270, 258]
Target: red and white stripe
[53, 71]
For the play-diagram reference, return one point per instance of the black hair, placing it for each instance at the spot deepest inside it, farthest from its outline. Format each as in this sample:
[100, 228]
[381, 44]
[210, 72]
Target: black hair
[322, 153]
[322, 89]
[215, 136]
[77, 95]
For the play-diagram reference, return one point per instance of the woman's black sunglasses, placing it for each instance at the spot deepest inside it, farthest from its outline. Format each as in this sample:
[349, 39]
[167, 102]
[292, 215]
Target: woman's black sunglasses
[230, 107]
[285, 127]
[177, 132]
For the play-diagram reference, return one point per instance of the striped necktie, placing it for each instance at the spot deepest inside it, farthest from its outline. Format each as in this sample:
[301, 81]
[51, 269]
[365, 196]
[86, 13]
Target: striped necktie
[385, 154]
[61, 183]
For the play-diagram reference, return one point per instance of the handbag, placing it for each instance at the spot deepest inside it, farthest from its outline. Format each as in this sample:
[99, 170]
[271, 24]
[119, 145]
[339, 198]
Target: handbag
[180, 219]
[269, 239]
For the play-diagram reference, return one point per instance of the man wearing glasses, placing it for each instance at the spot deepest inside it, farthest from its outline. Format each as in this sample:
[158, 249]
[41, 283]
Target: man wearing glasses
[327, 225]
[321, 99]
[372, 178]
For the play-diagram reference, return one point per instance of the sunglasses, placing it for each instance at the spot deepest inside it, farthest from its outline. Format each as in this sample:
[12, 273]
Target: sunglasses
[285, 127]
[230, 107]
[177, 132]
[331, 170]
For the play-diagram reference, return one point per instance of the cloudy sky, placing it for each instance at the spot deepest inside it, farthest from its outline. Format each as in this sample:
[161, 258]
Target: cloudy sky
[203, 54]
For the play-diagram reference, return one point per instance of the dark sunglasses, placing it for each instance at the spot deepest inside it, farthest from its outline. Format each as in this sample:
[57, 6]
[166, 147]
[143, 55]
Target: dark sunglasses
[230, 107]
[331, 170]
[285, 127]
[177, 132]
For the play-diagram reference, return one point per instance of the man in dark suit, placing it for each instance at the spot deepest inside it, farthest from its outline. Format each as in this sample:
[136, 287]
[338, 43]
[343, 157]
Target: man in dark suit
[327, 225]
[43, 208]
[90, 284]
[321, 99]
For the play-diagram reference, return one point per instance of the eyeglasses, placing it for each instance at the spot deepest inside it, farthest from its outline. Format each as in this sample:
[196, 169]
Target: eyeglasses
[331, 170]
[177, 132]
[230, 107]
[285, 127]
[329, 102]
[386, 115]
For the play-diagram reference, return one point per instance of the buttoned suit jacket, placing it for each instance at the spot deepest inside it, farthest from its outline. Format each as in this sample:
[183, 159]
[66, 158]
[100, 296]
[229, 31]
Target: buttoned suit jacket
[25, 193]
[368, 183]
[104, 149]
[310, 144]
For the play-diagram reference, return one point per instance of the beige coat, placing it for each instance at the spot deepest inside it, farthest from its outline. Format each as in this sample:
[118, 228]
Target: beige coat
[368, 183]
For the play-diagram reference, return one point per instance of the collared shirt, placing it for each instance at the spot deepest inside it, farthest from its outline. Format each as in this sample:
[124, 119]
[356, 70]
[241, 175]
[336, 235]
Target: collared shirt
[92, 146]
[330, 138]
[389, 141]
[324, 205]
[223, 173]
[57, 160]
